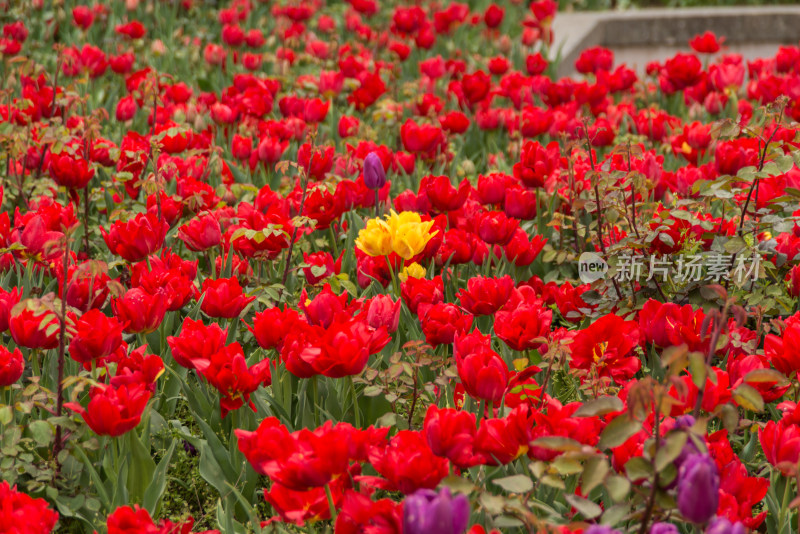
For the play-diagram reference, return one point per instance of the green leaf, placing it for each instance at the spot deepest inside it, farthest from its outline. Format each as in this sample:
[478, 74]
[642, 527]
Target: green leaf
[638, 468]
[600, 406]
[748, 398]
[618, 432]
[671, 449]
[594, 472]
[585, 507]
[6, 415]
[697, 368]
[515, 483]
[618, 487]
[141, 469]
[152, 496]
[557, 443]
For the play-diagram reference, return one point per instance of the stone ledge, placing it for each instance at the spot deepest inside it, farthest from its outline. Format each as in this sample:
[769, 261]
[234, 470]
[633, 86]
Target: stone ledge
[647, 28]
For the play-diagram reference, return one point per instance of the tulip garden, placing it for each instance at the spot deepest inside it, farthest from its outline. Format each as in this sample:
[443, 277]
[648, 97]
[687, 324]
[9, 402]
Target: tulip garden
[372, 267]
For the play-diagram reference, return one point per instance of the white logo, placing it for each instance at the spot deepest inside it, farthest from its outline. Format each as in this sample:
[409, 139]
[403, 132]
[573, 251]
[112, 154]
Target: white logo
[591, 267]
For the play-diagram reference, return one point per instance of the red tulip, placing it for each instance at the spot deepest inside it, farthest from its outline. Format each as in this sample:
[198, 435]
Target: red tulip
[451, 434]
[501, 441]
[495, 228]
[420, 293]
[23, 513]
[34, 330]
[523, 321]
[140, 311]
[607, 346]
[442, 322]
[484, 375]
[113, 411]
[381, 310]
[484, 296]
[201, 233]
[193, 347]
[8, 299]
[223, 298]
[96, 337]
[441, 193]
[407, 463]
[12, 364]
[227, 370]
[136, 238]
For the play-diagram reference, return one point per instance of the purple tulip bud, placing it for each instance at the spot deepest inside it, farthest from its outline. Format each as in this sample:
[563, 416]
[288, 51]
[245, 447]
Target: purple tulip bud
[684, 421]
[374, 175]
[720, 525]
[601, 529]
[426, 511]
[698, 488]
[664, 528]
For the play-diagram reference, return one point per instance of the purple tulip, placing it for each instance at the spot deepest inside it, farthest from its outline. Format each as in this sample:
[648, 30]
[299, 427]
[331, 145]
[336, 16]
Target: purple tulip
[374, 175]
[601, 529]
[426, 511]
[698, 488]
[664, 528]
[720, 525]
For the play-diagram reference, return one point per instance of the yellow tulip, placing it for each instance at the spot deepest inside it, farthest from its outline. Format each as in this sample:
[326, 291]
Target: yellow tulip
[375, 239]
[415, 270]
[410, 238]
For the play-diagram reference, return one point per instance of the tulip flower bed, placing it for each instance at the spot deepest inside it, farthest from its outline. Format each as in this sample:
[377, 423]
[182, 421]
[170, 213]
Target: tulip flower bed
[365, 267]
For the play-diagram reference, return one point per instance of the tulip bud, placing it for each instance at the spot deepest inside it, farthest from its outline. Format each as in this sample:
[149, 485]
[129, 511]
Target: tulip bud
[374, 174]
[601, 529]
[721, 525]
[698, 488]
[428, 511]
[663, 528]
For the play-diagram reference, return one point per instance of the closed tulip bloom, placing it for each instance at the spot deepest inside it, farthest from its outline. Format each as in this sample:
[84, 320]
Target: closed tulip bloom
[784, 350]
[323, 309]
[485, 295]
[383, 311]
[321, 266]
[451, 434]
[374, 173]
[201, 233]
[420, 293]
[272, 325]
[140, 311]
[426, 511]
[8, 299]
[375, 239]
[35, 330]
[12, 364]
[407, 463]
[664, 528]
[96, 336]
[136, 238]
[495, 227]
[113, 411]
[698, 488]
[722, 525]
[781, 445]
[193, 347]
[223, 298]
[484, 375]
[70, 172]
[442, 322]
[442, 195]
